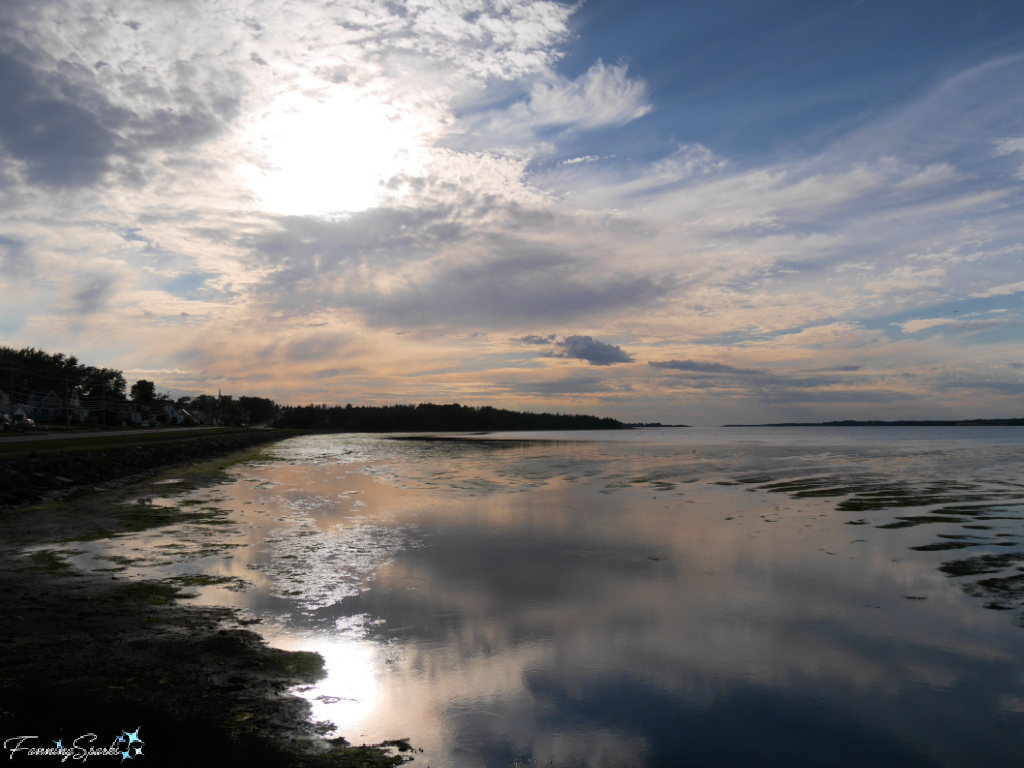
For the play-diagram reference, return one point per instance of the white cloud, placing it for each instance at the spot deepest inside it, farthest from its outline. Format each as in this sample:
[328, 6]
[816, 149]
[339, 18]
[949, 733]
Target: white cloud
[602, 96]
[999, 290]
[913, 326]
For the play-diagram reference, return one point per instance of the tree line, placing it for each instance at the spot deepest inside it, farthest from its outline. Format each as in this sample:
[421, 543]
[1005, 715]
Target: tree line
[428, 417]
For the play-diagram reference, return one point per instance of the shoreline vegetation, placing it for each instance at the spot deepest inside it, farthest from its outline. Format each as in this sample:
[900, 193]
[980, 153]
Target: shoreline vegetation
[428, 417]
[94, 653]
[901, 423]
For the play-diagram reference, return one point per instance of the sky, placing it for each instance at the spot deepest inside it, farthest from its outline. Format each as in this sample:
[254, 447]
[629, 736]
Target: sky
[685, 212]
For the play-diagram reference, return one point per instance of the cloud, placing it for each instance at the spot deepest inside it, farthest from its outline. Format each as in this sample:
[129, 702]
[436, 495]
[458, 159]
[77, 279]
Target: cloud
[61, 143]
[14, 258]
[506, 292]
[602, 96]
[915, 326]
[999, 290]
[94, 294]
[591, 350]
[701, 367]
[1010, 146]
[572, 385]
[702, 375]
[531, 339]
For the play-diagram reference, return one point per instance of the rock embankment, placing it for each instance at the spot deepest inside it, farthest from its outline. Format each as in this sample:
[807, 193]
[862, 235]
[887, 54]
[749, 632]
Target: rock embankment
[52, 470]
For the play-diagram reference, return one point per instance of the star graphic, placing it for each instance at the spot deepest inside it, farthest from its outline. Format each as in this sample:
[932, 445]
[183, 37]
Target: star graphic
[138, 751]
[120, 739]
[133, 737]
[59, 745]
[126, 755]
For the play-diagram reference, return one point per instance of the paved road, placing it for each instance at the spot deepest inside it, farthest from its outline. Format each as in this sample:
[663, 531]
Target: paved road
[40, 436]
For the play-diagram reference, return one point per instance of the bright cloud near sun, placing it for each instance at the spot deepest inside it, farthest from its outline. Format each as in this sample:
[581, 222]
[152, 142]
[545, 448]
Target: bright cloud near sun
[332, 152]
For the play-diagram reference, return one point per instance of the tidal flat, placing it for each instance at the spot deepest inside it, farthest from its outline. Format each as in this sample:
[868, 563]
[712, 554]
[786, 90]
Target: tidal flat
[89, 655]
[644, 598]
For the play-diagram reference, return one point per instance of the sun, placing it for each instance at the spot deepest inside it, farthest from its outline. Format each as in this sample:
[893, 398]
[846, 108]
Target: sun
[331, 152]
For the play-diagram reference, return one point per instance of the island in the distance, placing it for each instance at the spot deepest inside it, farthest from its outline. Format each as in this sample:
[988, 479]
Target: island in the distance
[927, 423]
[428, 417]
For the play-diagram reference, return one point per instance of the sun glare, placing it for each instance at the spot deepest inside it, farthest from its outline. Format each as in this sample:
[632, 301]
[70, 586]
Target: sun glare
[328, 156]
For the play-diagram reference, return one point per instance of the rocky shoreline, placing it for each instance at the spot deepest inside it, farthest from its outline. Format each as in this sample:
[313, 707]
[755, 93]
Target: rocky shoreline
[56, 469]
[87, 653]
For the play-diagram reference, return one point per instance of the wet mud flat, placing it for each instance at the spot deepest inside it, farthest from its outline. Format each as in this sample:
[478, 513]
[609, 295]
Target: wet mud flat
[93, 653]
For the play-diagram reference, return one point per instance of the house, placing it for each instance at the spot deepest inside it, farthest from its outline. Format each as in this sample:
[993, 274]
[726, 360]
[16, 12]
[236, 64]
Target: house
[131, 416]
[173, 415]
[75, 409]
[49, 408]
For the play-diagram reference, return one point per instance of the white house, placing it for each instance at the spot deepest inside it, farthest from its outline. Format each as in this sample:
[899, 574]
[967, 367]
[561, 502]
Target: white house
[174, 415]
[78, 413]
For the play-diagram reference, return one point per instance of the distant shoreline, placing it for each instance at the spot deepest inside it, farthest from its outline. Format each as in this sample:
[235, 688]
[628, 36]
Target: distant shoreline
[927, 423]
[656, 425]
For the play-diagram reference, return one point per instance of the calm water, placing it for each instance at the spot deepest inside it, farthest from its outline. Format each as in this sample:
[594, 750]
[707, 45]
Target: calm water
[651, 598]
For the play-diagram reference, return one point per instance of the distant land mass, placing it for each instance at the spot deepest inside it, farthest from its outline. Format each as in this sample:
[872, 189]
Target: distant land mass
[653, 424]
[928, 423]
[427, 417]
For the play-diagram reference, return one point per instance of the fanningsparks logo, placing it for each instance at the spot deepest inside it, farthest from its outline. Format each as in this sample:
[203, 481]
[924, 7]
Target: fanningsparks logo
[127, 746]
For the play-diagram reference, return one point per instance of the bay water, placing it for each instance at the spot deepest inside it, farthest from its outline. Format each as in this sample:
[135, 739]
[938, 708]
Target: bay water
[652, 597]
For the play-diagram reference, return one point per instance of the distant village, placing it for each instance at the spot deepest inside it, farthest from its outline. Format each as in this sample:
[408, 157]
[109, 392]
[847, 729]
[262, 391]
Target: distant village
[53, 390]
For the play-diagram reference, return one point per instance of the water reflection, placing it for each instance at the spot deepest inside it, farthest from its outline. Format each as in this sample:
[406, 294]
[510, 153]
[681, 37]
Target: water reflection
[698, 597]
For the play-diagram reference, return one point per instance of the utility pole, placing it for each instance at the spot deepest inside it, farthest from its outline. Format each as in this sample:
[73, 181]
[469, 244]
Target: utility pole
[104, 405]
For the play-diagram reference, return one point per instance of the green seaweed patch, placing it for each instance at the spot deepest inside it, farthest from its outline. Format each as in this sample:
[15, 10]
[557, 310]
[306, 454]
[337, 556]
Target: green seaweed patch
[975, 566]
[148, 592]
[248, 647]
[211, 550]
[794, 486]
[856, 522]
[49, 560]
[894, 497]
[823, 493]
[143, 517]
[234, 583]
[121, 559]
[1004, 588]
[941, 546]
[910, 522]
[344, 756]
